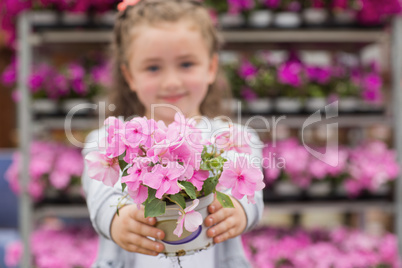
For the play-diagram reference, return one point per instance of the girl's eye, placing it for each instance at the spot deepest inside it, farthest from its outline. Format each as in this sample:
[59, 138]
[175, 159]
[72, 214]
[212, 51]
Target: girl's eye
[153, 68]
[187, 64]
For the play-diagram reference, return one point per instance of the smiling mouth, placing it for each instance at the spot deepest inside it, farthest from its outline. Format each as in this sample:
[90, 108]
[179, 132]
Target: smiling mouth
[173, 98]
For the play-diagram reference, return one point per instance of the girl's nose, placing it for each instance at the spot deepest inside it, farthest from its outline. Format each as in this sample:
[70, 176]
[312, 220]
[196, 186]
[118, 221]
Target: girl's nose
[171, 81]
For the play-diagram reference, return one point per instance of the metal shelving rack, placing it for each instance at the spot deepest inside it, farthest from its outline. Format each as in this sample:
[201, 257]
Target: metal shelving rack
[354, 38]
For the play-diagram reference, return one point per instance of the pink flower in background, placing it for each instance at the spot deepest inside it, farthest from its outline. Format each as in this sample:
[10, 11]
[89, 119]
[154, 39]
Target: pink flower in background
[247, 70]
[164, 179]
[243, 180]
[372, 86]
[13, 254]
[190, 219]
[102, 168]
[9, 75]
[321, 75]
[290, 73]
[248, 94]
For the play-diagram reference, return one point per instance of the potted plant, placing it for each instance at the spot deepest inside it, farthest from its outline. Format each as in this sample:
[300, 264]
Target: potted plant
[174, 175]
[262, 16]
[345, 12]
[317, 87]
[259, 79]
[371, 89]
[291, 78]
[287, 14]
[315, 13]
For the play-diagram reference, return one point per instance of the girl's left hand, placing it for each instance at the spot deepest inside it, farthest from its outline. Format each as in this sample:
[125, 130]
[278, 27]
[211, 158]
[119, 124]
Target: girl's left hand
[229, 222]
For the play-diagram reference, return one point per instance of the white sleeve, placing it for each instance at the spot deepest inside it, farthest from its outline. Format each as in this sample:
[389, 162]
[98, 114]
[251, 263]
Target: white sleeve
[101, 199]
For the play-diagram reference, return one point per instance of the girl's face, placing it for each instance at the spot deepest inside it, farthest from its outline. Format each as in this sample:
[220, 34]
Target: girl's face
[170, 65]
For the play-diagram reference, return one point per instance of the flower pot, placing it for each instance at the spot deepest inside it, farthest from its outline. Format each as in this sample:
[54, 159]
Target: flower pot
[287, 19]
[228, 20]
[188, 243]
[315, 104]
[43, 17]
[70, 18]
[286, 188]
[259, 106]
[315, 16]
[288, 105]
[348, 104]
[44, 106]
[260, 18]
[82, 106]
[346, 17]
[319, 189]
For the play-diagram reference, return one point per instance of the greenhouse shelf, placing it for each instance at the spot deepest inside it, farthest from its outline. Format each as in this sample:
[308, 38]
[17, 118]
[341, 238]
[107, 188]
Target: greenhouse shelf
[30, 36]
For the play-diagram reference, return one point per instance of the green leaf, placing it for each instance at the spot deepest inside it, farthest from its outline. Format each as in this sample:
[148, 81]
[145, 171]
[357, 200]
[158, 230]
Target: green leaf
[123, 186]
[117, 211]
[155, 208]
[189, 188]
[151, 195]
[209, 185]
[179, 199]
[224, 199]
[204, 166]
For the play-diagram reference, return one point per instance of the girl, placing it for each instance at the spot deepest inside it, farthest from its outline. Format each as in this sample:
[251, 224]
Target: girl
[166, 54]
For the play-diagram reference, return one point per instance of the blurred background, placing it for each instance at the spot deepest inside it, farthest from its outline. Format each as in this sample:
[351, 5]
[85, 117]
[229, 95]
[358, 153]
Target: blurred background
[283, 61]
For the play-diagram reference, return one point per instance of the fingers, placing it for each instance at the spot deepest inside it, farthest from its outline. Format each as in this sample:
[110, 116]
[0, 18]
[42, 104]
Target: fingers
[225, 235]
[223, 226]
[215, 206]
[218, 216]
[138, 215]
[140, 244]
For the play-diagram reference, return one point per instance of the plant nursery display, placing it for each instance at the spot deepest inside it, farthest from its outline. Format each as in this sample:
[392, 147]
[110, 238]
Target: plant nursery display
[86, 78]
[263, 79]
[339, 248]
[173, 172]
[54, 169]
[354, 171]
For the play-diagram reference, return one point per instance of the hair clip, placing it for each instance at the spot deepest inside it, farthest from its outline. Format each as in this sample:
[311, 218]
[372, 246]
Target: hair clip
[123, 5]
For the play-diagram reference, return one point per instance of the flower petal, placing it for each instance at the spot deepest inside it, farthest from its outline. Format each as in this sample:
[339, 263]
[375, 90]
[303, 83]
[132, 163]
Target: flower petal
[192, 221]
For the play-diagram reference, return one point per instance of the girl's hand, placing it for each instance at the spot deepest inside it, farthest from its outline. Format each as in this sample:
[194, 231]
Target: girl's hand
[130, 229]
[229, 222]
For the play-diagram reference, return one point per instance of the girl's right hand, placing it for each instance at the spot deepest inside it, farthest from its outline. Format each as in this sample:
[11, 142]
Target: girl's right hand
[130, 229]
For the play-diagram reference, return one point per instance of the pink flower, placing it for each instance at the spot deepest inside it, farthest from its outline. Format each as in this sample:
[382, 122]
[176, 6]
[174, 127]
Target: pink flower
[138, 132]
[139, 195]
[164, 179]
[13, 254]
[190, 218]
[136, 173]
[102, 168]
[233, 139]
[243, 180]
[115, 130]
[198, 178]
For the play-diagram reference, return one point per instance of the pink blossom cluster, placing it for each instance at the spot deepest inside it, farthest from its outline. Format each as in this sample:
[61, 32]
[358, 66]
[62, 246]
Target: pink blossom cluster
[265, 76]
[13, 8]
[339, 248]
[57, 246]
[72, 80]
[51, 165]
[366, 167]
[171, 160]
[371, 165]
